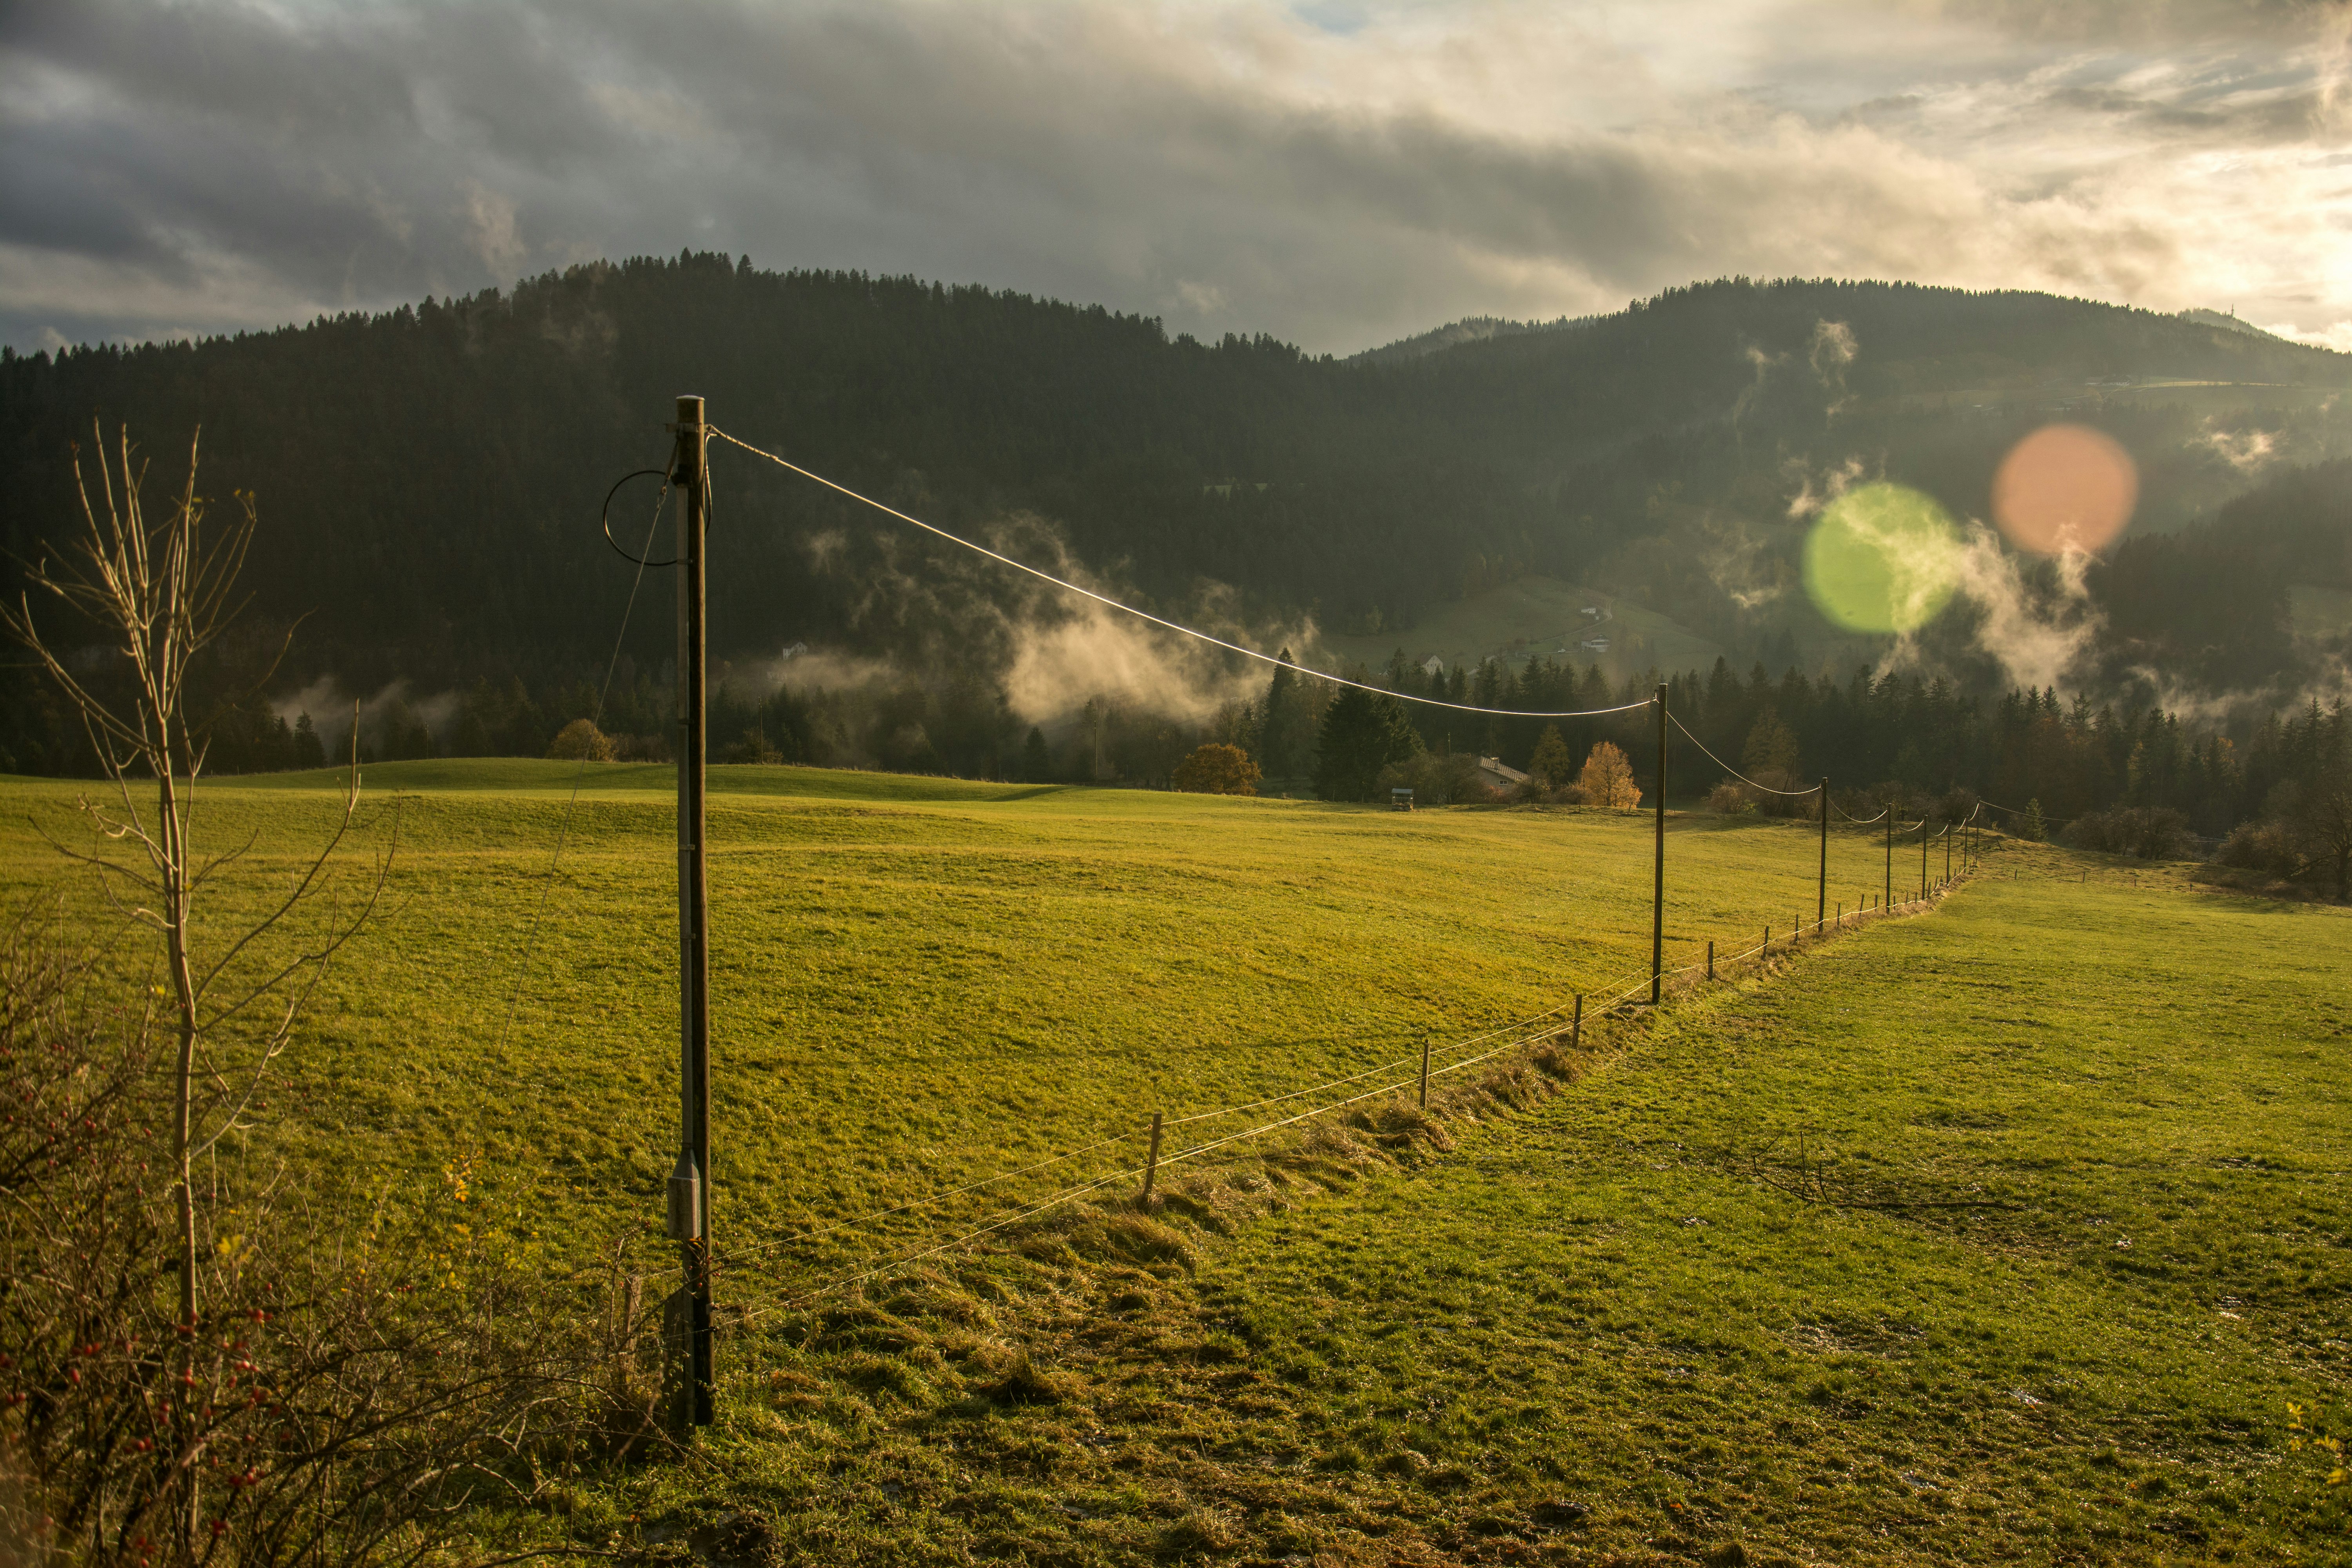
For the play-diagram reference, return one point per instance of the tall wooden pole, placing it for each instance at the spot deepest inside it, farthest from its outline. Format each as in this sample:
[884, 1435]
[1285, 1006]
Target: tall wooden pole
[1821, 892]
[690, 1209]
[1658, 878]
[1888, 896]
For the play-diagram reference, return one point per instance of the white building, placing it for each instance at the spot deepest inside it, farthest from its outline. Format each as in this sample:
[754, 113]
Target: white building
[1494, 774]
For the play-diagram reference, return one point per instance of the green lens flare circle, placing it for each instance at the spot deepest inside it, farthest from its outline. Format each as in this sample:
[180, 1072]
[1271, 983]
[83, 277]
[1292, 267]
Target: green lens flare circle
[1882, 558]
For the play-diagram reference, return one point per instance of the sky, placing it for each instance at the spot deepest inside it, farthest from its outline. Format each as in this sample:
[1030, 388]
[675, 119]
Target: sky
[1338, 175]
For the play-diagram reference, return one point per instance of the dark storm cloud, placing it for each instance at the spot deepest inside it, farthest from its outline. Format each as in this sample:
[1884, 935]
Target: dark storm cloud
[187, 168]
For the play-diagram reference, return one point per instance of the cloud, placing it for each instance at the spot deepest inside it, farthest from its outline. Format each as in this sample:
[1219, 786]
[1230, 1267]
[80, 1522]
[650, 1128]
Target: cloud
[177, 168]
[1835, 482]
[330, 710]
[1049, 650]
[2245, 450]
[2039, 637]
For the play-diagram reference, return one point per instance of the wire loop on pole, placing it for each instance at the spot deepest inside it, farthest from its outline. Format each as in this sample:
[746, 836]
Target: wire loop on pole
[607, 514]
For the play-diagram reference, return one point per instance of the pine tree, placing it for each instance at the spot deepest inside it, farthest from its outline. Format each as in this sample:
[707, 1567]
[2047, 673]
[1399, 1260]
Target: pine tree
[2033, 827]
[1771, 749]
[1552, 762]
[1285, 723]
[1036, 762]
[1363, 731]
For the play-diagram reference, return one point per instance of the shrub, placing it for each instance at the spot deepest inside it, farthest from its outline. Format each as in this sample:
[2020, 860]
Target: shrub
[1792, 799]
[1448, 778]
[1729, 799]
[341, 1389]
[581, 741]
[2261, 846]
[1955, 806]
[1216, 769]
[2148, 832]
[753, 748]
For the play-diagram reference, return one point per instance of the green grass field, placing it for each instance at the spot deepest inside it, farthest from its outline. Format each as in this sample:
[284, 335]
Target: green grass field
[916, 983]
[2002, 1233]
[2010, 1233]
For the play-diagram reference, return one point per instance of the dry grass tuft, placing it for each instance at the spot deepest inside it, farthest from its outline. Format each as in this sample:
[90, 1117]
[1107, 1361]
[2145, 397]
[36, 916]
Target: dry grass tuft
[1020, 1380]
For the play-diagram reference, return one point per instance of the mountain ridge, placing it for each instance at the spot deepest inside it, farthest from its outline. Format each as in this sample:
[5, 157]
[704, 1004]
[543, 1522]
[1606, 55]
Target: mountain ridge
[429, 477]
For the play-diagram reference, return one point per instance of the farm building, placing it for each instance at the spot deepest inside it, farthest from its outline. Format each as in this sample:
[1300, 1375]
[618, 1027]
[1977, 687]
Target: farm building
[1496, 774]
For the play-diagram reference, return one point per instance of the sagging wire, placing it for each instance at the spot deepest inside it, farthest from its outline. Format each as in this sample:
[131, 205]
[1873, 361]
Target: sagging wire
[1735, 772]
[1160, 621]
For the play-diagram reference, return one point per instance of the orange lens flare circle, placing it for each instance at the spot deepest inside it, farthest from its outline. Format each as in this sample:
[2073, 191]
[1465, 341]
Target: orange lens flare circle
[2065, 487]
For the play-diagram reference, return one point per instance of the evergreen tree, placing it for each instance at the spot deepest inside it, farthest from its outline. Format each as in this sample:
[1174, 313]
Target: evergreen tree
[307, 752]
[2033, 828]
[1036, 761]
[1771, 749]
[1286, 724]
[1363, 731]
[1552, 762]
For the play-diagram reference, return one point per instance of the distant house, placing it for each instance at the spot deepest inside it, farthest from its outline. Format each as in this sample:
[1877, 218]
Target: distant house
[1496, 774]
[1594, 645]
[1593, 610]
[1433, 666]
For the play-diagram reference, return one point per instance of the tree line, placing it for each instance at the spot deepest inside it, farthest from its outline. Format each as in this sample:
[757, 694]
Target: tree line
[430, 476]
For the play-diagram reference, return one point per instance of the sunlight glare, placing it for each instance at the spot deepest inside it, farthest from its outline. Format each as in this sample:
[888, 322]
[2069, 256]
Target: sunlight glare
[1882, 558]
[2065, 487]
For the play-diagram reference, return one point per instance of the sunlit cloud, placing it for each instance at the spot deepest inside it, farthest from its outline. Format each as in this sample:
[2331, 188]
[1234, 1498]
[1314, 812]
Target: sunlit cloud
[1337, 177]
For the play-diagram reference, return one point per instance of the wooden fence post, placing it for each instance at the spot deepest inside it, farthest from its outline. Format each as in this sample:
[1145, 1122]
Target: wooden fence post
[1424, 1072]
[1151, 1161]
[1576, 1026]
[1710, 958]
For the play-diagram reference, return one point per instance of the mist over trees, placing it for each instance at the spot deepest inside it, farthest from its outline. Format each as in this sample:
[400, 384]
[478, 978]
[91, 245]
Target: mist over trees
[428, 482]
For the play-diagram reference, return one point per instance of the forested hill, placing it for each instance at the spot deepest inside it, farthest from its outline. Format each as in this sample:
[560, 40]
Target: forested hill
[427, 479]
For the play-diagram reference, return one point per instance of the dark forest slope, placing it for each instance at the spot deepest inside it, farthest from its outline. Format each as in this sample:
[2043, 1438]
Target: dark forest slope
[427, 479]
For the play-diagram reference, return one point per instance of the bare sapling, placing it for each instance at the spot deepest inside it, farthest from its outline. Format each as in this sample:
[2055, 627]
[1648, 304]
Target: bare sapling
[156, 596]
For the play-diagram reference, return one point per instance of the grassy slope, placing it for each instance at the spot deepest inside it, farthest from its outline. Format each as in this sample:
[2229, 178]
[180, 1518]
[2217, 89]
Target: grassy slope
[1424, 1363]
[1626, 1326]
[918, 982]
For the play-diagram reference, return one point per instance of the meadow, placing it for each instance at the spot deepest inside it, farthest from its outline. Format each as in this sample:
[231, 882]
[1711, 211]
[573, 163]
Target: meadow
[2012, 1232]
[916, 983]
[2008, 1230]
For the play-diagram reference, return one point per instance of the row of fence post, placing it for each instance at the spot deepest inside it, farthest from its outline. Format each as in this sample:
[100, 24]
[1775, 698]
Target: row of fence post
[1576, 1016]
